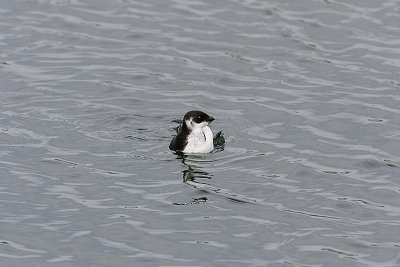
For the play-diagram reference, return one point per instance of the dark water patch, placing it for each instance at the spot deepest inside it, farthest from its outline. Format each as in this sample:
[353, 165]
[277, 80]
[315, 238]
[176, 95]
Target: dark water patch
[194, 201]
[374, 164]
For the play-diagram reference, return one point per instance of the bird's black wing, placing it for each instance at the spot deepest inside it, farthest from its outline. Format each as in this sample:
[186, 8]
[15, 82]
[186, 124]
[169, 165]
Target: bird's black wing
[219, 139]
[178, 143]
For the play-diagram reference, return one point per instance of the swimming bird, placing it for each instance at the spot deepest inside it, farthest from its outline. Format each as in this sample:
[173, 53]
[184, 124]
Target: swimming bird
[194, 135]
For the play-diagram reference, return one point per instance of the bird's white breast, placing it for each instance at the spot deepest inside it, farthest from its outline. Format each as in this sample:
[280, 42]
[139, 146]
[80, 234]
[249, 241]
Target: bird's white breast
[200, 141]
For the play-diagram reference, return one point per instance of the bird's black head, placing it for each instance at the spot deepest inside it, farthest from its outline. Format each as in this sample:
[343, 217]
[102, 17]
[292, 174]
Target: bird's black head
[197, 119]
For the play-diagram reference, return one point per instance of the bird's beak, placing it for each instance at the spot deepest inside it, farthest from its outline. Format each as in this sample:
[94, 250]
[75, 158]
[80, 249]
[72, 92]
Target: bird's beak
[210, 119]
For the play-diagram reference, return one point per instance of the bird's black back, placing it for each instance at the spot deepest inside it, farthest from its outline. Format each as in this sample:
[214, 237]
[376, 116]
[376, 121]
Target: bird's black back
[179, 142]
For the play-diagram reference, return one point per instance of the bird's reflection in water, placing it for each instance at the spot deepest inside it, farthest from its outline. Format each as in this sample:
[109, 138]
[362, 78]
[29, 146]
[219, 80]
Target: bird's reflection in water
[196, 176]
[196, 165]
[191, 174]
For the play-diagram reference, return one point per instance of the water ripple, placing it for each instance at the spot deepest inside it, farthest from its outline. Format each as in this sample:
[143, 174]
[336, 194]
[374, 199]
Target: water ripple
[306, 94]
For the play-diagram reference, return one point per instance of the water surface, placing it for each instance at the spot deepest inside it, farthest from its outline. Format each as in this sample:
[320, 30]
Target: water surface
[307, 94]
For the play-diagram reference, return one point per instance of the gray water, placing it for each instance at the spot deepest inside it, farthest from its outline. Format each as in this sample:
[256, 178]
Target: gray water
[306, 92]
